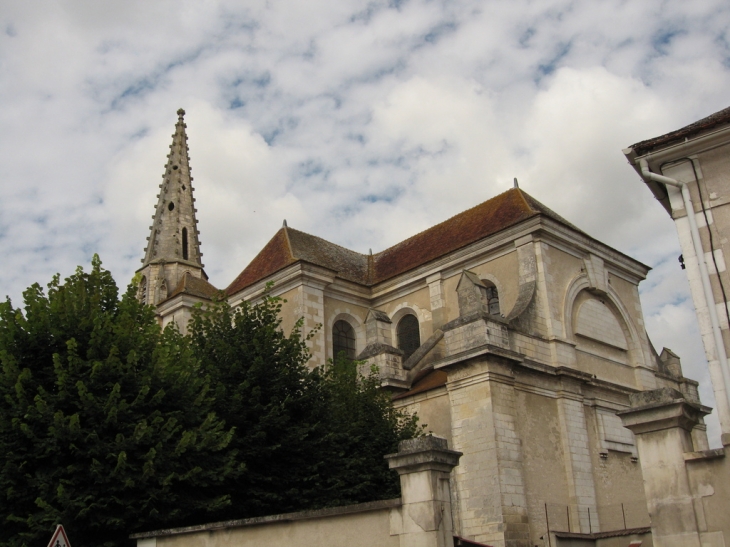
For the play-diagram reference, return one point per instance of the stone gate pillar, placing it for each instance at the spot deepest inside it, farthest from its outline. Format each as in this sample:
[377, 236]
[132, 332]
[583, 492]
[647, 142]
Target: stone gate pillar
[662, 421]
[424, 465]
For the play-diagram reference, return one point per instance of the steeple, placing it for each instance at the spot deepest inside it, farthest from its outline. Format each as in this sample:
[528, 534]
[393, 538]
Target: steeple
[173, 247]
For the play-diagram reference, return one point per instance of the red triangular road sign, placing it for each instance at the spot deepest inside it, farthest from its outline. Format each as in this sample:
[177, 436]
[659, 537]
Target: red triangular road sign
[59, 539]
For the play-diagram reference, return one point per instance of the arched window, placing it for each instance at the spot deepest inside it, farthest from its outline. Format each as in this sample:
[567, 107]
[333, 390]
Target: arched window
[185, 243]
[409, 335]
[343, 339]
[492, 297]
[142, 290]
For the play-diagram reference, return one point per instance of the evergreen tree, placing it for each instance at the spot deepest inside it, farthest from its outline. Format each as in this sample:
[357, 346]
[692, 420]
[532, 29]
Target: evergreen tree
[362, 426]
[106, 423]
[264, 389]
[307, 438]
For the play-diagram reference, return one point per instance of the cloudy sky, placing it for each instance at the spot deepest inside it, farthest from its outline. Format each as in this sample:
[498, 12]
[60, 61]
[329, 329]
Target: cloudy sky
[361, 122]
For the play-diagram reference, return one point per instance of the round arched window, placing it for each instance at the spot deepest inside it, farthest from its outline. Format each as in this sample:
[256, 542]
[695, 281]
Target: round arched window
[409, 335]
[343, 339]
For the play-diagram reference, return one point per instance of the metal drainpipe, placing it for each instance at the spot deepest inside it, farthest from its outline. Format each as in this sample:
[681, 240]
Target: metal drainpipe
[720, 353]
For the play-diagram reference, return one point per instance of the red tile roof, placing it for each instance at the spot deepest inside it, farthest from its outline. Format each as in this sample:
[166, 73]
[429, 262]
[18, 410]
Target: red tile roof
[195, 286]
[705, 124]
[490, 217]
[289, 246]
[275, 256]
[425, 382]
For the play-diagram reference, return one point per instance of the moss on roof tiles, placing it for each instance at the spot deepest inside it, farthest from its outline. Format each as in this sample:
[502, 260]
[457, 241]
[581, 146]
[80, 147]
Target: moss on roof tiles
[476, 223]
[348, 264]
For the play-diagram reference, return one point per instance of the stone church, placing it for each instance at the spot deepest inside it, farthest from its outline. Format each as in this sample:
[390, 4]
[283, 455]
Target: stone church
[512, 333]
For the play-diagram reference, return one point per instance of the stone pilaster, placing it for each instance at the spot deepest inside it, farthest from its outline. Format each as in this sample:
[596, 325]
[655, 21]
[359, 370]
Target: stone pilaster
[577, 459]
[490, 479]
[310, 306]
[439, 312]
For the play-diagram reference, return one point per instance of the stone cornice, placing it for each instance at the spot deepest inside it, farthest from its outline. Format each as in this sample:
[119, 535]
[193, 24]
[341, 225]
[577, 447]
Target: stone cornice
[299, 273]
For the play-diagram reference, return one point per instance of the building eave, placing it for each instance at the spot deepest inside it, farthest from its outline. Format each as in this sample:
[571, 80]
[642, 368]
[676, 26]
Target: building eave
[659, 157]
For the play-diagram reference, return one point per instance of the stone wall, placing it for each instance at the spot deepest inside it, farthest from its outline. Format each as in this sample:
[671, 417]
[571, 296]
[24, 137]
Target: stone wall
[365, 525]
[421, 517]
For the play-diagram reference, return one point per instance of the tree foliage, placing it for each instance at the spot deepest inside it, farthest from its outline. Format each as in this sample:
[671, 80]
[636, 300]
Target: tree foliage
[110, 425]
[263, 389]
[307, 438]
[106, 423]
[362, 426]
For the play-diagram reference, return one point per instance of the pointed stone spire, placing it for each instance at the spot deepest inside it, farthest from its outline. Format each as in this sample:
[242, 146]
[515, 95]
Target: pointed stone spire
[173, 247]
[174, 235]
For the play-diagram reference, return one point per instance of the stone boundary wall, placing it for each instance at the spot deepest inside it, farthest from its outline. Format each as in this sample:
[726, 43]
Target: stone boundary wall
[366, 524]
[422, 517]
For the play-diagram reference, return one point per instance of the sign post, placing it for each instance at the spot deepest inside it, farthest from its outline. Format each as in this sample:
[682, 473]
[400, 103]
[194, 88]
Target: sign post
[59, 539]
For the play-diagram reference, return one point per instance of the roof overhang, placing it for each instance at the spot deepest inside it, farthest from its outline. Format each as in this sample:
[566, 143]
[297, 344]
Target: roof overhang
[660, 157]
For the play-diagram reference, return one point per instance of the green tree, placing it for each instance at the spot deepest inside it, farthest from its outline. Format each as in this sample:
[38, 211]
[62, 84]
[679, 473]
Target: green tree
[110, 425]
[362, 426]
[106, 423]
[264, 389]
[307, 438]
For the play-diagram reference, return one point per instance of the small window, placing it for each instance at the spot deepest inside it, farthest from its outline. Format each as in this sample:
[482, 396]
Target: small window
[343, 339]
[171, 206]
[142, 291]
[409, 335]
[185, 243]
[492, 297]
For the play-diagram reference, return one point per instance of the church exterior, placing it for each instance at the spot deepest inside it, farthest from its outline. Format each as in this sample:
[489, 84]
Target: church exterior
[512, 333]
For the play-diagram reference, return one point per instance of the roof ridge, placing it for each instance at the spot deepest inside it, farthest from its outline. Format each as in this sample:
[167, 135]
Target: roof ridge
[525, 200]
[288, 241]
[464, 212]
[321, 239]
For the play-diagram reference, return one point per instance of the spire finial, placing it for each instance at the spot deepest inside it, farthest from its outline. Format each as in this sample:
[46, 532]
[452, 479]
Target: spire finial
[371, 252]
[516, 184]
[285, 225]
[180, 113]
